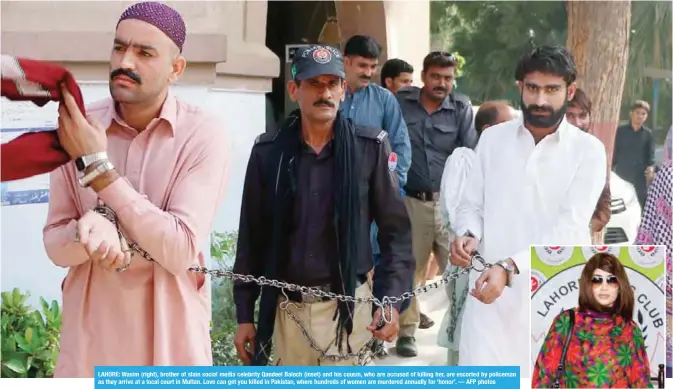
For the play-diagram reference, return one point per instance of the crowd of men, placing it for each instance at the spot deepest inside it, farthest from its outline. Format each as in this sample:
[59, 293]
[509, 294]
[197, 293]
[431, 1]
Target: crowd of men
[349, 198]
[432, 131]
[424, 127]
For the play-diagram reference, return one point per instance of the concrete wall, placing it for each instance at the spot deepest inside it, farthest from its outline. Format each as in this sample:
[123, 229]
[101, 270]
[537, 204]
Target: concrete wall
[401, 27]
[225, 39]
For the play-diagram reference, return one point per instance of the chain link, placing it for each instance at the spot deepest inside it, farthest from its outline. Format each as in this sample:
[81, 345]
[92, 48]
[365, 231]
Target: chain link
[477, 263]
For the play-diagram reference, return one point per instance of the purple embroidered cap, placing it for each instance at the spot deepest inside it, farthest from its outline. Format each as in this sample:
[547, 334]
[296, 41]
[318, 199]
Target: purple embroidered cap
[160, 16]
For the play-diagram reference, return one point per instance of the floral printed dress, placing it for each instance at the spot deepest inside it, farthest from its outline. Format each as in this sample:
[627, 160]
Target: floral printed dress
[655, 229]
[604, 352]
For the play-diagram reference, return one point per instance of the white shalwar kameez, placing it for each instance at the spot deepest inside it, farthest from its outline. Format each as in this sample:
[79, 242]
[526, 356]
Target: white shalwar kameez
[521, 194]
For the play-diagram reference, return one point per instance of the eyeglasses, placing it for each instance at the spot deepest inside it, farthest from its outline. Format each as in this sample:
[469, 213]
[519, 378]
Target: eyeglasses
[610, 280]
[443, 54]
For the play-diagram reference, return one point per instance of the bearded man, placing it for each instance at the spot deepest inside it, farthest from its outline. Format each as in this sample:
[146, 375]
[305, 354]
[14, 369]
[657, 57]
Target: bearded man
[536, 180]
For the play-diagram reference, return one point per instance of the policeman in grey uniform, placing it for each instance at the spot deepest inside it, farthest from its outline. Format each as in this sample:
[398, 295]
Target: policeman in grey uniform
[311, 192]
[439, 120]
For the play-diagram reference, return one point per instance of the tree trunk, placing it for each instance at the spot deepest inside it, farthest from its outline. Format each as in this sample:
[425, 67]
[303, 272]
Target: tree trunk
[598, 38]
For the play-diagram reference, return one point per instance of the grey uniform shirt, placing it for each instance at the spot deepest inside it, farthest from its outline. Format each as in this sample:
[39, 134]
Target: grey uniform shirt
[434, 136]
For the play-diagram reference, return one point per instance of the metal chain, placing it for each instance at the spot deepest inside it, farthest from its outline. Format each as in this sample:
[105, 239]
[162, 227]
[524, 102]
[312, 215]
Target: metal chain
[361, 356]
[477, 263]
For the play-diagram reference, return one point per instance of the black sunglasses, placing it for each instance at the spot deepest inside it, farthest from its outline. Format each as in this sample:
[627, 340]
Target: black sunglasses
[610, 280]
[443, 54]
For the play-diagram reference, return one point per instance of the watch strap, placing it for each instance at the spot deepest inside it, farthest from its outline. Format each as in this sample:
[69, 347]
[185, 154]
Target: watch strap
[509, 269]
[83, 162]
[86, 180]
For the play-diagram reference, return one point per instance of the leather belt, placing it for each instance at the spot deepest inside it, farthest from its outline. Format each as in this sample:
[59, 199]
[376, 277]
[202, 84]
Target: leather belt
[299, 297]
[423, 196]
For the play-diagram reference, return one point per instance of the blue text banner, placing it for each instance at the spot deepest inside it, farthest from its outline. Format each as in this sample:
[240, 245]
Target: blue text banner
[129, 377]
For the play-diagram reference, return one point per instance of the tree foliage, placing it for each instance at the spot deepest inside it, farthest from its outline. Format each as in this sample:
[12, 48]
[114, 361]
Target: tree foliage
[492, 36]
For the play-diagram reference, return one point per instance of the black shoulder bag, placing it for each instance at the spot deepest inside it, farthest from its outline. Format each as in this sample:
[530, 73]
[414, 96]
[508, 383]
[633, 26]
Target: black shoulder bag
[562, 363]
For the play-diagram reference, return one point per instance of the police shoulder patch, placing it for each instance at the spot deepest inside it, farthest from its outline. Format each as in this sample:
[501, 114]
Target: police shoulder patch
[392, 161]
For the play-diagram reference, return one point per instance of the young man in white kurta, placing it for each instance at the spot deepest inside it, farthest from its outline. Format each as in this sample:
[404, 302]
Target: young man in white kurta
[520, 194]
[523, 193]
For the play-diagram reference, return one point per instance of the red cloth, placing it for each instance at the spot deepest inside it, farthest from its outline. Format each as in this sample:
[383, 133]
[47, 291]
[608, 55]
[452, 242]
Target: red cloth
[37, 81]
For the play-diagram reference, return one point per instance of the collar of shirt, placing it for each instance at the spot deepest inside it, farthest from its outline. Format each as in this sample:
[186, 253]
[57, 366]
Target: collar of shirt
[351, 94]
[414, 94]
[326, 151]
[630, 127]
[169, 114]
[557, 136]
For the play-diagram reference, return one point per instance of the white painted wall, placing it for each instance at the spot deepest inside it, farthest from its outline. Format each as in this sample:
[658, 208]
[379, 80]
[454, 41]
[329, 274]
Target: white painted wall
[404, 22]
[23, 261]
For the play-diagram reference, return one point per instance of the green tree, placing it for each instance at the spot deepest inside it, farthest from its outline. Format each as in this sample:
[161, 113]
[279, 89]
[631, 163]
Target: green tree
[492, 36]
[651, 46]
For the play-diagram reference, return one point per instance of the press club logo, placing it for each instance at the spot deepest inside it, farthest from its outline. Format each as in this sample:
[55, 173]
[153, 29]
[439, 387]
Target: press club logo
[647, 256]
[554, 255]
[536, 280]
[590, 251]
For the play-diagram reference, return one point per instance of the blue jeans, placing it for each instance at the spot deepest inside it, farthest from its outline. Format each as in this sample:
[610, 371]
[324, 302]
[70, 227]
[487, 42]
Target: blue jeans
[380, 282]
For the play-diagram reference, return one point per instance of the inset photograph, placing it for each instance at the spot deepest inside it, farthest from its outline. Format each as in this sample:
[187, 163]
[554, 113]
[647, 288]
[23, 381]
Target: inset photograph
[598, 316]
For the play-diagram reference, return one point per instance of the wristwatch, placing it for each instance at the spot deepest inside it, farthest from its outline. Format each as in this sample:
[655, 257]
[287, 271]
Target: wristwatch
[510, 269]
[86, 180]
[85, 161]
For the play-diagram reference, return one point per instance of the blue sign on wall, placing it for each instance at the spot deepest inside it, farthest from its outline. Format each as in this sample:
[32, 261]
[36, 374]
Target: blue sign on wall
[23, 197]
[32, 190]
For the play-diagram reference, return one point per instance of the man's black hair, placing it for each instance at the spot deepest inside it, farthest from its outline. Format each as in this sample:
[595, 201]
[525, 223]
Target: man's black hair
[393, 68]
[440, 59]
[554, 60]
[362, 46]
[640, 104]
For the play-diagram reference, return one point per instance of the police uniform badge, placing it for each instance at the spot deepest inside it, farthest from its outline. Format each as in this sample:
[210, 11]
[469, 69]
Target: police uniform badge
[322, 56]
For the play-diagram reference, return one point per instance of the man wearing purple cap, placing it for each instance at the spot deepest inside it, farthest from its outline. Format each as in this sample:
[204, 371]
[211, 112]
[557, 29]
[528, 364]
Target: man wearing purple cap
[159, 167]
[311, 192]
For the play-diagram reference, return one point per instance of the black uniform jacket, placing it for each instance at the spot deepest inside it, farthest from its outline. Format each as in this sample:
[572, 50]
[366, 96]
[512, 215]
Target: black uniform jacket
[381, 201]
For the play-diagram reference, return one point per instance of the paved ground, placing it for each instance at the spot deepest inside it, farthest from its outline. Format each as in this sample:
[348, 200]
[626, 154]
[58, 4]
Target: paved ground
[433, 304]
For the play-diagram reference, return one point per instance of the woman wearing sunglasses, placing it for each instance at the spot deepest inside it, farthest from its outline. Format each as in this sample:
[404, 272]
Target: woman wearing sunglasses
[597, 344]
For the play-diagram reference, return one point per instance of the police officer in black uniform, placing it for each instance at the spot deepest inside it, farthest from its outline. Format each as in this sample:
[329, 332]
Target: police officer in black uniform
[311, 191]
[439, 120]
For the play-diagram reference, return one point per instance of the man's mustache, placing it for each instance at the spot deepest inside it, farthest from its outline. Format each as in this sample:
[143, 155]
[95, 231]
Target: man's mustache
[324, 102]
[440, 89]
[127, 73]
[543, 108]
[366, 78]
